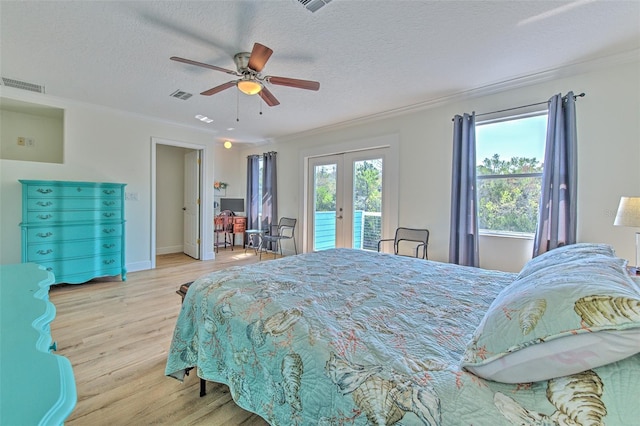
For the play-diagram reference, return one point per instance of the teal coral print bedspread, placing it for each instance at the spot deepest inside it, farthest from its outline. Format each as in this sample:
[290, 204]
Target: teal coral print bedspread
[349, 337]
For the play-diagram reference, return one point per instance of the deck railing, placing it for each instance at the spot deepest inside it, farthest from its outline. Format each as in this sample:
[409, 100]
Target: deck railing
[366, 230]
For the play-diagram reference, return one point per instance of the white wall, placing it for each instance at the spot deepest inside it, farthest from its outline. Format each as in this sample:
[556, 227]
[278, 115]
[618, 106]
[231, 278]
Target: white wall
[101, 144]
[107, 145]
[608, 157]
[43, 132]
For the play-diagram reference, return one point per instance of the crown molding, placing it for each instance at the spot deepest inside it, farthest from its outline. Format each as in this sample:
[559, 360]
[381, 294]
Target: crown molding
[575, 68]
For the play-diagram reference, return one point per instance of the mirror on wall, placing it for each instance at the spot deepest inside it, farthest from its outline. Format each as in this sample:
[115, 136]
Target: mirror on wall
[31, 132]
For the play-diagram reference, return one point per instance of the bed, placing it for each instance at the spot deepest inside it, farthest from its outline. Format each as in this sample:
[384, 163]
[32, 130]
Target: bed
[355, 337]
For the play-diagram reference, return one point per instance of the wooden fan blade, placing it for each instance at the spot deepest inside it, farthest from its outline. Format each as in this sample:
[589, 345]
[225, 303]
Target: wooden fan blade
[293, 82]
[200, 64]
[268, 97]
[259, 57]
[217, 89]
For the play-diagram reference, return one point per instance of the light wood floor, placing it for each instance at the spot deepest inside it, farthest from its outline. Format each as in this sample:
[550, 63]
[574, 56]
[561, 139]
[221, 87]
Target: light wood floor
[117, 334]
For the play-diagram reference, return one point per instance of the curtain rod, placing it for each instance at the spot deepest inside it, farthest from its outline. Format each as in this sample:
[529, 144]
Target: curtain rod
[260, 155]
[525, 106]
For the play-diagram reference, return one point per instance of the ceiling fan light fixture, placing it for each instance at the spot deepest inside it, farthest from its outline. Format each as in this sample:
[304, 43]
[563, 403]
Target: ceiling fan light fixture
[228, 144]
[249, 87]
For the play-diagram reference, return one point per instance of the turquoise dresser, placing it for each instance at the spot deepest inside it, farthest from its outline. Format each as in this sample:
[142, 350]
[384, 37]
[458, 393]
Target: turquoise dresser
[74, 229]
[36, 386]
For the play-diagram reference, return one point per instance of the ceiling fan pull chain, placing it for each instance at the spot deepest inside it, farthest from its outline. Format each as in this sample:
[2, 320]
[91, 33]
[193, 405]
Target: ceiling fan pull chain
[260, 100]
[237, 106]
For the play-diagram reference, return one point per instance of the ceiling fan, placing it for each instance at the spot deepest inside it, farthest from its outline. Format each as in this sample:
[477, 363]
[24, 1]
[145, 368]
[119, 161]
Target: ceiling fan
[251, 82]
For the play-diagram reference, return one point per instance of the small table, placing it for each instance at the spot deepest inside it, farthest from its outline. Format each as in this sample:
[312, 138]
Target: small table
[252, 235]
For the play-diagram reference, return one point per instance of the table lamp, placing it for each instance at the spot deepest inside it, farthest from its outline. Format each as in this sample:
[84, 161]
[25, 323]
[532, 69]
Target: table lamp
[629, 215]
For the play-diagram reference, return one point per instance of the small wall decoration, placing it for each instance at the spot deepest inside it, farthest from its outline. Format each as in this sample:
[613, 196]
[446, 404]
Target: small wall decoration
[220, 185]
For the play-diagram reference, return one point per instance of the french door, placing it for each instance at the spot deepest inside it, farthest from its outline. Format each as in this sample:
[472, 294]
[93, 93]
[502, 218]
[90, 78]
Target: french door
[346, 203]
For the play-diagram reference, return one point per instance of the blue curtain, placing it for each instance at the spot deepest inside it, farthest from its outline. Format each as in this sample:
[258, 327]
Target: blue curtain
[463, 237]
[269, 192]
[253, 195]
[558, 207]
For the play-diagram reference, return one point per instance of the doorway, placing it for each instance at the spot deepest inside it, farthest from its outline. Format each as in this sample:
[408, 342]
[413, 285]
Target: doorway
[347, 200]
[178, 215]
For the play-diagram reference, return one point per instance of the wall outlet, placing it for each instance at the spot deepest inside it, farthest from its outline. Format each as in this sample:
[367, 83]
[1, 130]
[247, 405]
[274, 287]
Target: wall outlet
[31, 143]
[21, 141]
[132, 196]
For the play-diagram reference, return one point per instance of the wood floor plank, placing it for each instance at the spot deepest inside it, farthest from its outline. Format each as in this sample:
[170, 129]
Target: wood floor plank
[117, 336]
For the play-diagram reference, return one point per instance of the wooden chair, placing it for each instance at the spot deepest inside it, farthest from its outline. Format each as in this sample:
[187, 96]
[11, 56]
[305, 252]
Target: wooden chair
[223, 225]
[407, 240]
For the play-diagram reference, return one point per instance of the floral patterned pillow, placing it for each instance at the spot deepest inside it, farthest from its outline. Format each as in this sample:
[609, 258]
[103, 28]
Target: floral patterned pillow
[559, 319]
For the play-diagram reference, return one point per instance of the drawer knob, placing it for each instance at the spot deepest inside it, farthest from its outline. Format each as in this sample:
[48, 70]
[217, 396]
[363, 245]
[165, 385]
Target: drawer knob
[44, 190]
[108, 230]
[109, 191]
[44, 203]
[44, 216]
[44, 252]
[108, 214]
[108, 203]
[44, 235]
[108, 262]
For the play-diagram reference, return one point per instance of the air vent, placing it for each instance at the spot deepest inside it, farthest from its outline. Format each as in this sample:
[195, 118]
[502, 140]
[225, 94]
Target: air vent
[313, 5]
[10, 82]
[180, 94]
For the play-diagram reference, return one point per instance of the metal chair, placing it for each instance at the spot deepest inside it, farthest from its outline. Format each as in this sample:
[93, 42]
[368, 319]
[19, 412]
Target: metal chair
[407, 240]
[283, 231]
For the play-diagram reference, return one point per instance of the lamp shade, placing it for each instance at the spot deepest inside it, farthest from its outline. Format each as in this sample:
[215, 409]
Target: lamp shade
[628, 212]
[249, 87]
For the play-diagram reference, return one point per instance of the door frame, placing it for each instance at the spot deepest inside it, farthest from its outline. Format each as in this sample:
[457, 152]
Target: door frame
[206, 197]
[391, 181]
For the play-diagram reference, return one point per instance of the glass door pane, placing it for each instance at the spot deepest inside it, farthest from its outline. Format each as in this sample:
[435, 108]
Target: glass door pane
[367, 203]
[324, 183]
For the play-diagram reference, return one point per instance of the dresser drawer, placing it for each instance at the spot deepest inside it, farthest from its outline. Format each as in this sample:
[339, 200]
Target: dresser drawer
[70, 191]
[59, 204]
[55, 250]
[60, 269]
[46, 216]
[64, 233]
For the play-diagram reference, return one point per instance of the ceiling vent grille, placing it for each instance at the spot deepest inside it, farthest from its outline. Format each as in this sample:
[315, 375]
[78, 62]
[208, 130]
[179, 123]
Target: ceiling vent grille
[180, 94]
[10, 82]
[313, 5]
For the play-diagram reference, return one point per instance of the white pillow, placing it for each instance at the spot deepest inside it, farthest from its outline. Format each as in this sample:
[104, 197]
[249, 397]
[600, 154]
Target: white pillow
[558, 320]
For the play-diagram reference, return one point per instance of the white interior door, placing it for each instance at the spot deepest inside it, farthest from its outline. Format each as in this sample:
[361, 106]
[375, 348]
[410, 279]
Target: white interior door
[345, 200]
[191, 208]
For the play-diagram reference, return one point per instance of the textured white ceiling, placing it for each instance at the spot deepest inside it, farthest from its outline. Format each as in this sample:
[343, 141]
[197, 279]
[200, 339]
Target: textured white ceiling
[369, 56]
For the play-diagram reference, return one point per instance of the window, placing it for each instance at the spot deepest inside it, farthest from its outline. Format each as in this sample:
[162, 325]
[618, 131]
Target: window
[260, 168]
[510, 155]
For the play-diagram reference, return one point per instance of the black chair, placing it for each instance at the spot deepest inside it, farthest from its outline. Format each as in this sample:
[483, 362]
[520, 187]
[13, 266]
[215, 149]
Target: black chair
[285, 230]
[407, 240]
